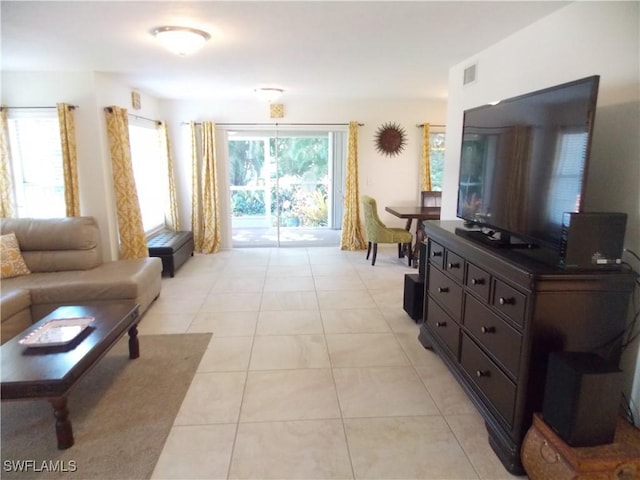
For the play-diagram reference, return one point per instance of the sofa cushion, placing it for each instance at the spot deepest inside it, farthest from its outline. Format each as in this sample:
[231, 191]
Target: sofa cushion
[56, 244]
[15, 325]
[123, 279]
[14, 300]
[137, 279]
[11, 259]
[76, 286]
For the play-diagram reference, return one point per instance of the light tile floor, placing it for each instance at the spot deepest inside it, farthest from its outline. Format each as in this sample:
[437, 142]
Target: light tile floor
[313, 371]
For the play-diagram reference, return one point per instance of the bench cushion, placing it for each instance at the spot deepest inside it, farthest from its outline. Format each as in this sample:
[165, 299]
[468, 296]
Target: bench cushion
[166, 243]
[173, 248]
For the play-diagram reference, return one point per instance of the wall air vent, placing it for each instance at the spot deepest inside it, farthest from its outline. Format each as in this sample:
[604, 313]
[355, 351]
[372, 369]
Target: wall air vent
[469, 74]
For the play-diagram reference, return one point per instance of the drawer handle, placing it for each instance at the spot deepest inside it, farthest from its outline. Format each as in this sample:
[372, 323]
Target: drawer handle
[453, 265]
[482, 373]
[507, 301]
[436, 254]
[441, 324]
[443, 289]
[477, 281]
[488, 329]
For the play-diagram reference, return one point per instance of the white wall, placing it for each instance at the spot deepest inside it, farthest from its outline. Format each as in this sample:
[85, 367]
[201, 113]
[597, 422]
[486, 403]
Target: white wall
[391, 180]
[109, 92]
[90, 92]
[24, 89]
[582, 39]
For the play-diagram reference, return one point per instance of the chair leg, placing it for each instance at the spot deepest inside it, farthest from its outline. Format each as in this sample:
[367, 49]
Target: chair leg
[410, 250]
[400, 255]
[368, 249]
[375, 254]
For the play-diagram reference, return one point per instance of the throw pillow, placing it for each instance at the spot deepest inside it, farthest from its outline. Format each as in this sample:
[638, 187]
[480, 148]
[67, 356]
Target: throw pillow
[12, 263]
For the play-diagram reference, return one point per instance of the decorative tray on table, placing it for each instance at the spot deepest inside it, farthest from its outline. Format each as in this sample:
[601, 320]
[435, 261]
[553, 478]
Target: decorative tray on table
[59, 331]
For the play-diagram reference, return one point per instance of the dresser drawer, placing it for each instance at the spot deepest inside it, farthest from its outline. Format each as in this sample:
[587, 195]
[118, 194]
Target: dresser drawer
[436, 254]
[493, 333]
[494, 384]
[509, 301]
[478, 281]
[446, 291]
[446, 329]
[454, 264]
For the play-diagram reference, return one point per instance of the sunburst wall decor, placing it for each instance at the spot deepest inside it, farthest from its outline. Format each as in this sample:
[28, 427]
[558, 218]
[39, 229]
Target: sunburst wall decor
[390, 139]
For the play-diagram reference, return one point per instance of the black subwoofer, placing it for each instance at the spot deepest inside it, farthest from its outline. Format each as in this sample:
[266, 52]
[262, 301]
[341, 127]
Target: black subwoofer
[581, 398]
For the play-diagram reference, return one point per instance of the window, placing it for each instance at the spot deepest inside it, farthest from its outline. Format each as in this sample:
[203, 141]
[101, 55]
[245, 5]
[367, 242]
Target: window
[150, 174]
[436, 159]
[566, 182]
[283, 185]
[36, 164]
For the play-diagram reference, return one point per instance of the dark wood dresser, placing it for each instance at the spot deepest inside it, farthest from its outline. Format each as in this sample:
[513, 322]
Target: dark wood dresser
[494, 314]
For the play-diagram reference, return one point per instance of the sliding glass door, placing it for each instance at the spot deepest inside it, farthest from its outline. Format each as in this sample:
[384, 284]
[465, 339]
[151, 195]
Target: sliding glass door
[283, 187]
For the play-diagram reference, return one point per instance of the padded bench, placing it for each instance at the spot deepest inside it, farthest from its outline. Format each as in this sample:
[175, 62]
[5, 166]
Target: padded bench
[173, 248]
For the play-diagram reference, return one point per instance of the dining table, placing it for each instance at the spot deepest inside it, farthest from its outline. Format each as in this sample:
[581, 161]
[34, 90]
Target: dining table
[420, 214]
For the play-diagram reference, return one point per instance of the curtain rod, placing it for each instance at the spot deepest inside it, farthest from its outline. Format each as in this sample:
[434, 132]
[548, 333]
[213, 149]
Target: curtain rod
[431, 125]
[72, 107]
[277, 124]
[157, 122]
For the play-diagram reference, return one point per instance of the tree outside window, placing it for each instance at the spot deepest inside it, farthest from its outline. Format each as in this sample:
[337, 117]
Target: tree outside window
[436, 159]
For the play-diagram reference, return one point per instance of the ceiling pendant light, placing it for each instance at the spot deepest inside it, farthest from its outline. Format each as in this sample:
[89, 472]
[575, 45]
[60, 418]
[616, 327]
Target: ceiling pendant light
[269, 94]
[181, 40]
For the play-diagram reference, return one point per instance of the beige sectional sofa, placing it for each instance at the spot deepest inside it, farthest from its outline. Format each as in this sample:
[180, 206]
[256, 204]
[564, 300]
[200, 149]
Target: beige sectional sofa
[65, 260]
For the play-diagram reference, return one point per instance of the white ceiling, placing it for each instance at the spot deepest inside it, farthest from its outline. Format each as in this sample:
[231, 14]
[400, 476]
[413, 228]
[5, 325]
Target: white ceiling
[320, 49]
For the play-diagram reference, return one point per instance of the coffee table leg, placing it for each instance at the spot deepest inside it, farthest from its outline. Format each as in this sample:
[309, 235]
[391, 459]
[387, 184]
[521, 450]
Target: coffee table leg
[134, 345]
[64, 432]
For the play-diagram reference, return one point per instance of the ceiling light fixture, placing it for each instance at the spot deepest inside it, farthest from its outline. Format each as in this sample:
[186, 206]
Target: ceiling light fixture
[181, 40]
[269, 94]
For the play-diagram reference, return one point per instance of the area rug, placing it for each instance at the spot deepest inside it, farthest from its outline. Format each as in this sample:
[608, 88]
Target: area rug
[121, 414]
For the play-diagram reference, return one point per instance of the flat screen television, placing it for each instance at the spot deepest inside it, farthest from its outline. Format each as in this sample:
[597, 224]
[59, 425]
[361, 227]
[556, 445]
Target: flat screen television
[523, 163]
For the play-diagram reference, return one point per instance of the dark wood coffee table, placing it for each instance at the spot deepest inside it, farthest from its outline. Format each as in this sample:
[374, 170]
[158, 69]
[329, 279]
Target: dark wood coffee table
[51, 372]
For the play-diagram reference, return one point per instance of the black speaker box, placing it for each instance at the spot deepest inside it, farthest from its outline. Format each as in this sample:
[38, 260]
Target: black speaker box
[413, 296]
[592, 240]
[582, 398]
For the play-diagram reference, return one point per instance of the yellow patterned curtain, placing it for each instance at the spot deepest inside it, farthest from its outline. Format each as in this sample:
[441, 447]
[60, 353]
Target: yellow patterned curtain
[6, 184]
[205, 214]
[425, 166]
[519, 175]
[210, 206]
[69, 159]
[171, 213]
[352, 238]
[196, 222]
[133, 242]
